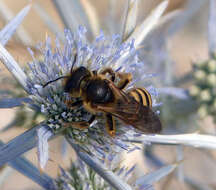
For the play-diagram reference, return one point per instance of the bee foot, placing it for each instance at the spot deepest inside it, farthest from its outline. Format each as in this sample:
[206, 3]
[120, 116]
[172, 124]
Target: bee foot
[77, 125]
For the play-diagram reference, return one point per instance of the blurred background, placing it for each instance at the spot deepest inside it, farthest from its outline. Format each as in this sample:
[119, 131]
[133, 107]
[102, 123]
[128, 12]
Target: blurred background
[188, 44]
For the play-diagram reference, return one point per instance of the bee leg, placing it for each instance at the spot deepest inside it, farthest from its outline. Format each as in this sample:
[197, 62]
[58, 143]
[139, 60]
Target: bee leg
[110, 125]
[77, 125]
[77, 104]
[91, 119]
[109, 71]
[125, 79]
[74, 105]
[80, 125]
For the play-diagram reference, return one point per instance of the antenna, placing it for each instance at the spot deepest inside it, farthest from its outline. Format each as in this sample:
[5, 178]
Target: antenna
[54, 80]
[74, 61]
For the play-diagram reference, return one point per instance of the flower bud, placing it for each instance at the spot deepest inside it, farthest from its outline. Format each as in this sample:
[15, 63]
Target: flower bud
[202, 111]
[205, 95]
[194, 90]
[211, 79]
[212, 65]
[199, 75]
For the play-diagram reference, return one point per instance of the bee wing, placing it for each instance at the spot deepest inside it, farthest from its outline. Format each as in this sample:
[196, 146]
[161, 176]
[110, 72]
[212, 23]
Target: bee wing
[133, 113]
[144, 119]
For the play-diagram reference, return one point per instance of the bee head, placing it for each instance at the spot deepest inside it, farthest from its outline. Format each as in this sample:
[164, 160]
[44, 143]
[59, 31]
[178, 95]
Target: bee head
[73, 82]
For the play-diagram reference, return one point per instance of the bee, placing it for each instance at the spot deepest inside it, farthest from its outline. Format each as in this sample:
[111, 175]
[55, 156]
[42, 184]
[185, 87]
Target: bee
[100, 94]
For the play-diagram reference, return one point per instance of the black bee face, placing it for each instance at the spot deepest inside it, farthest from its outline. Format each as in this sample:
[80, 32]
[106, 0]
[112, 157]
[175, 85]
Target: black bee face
[73, 82]
[98, 91]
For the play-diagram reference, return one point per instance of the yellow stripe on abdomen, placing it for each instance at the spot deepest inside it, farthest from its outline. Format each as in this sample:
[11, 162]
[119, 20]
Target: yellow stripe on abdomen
[134, 95]
[142, 96]
[147, 96]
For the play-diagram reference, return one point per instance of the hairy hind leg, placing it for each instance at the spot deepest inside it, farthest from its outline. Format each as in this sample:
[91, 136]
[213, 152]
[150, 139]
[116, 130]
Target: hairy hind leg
[109, 71]
[110, 125]
[80, 125]
[125, 80]
[73, 104]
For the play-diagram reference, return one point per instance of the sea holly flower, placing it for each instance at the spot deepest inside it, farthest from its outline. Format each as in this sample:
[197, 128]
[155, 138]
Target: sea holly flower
[203, 90]
[92, 145]
[204, 73]
[104, 52]
[81, 176]
[50, 100]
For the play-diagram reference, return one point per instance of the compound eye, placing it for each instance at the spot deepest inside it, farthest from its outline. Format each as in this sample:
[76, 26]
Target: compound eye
[98, 91]
[73, 82]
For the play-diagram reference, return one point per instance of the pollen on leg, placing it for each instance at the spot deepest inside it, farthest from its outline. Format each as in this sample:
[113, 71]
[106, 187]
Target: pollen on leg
[112, 133]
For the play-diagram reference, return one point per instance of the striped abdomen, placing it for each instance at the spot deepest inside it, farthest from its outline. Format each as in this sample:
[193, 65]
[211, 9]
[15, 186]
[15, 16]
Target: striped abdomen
[142, 96]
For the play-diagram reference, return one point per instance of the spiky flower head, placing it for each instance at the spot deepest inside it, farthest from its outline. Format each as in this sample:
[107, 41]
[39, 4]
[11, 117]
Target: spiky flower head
[204, 90]
[117, 52]
[51, 99]
[80, 176]
[53, 63]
